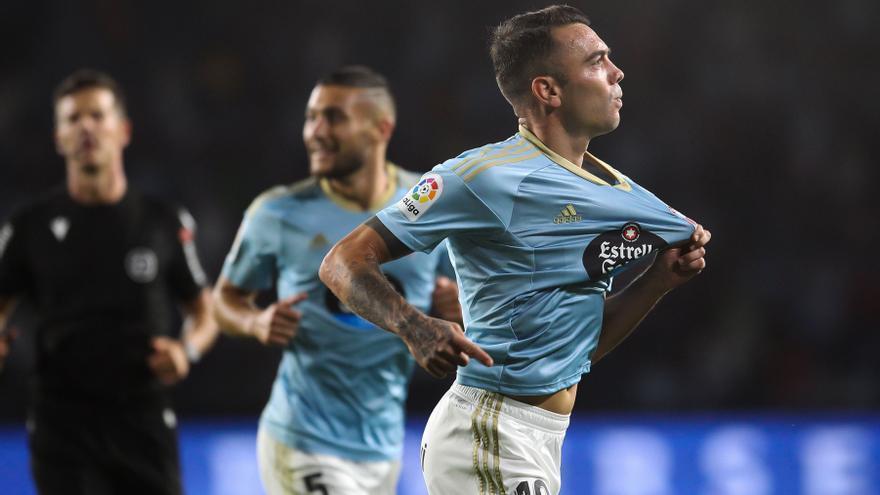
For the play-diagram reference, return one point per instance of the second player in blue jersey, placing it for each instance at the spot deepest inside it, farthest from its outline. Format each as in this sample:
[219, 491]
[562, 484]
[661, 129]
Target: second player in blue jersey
[335, 419]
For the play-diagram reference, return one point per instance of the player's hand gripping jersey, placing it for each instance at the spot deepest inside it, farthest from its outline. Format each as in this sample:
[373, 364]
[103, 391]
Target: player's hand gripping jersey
[342, 381]
[534, 240]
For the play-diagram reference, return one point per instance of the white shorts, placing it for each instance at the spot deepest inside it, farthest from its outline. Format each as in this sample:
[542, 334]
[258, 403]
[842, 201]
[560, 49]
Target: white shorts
[287, 471]
[483, 443]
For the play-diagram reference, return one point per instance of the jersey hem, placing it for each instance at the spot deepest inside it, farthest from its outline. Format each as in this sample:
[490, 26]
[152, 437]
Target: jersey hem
[310, 444]
[542, 389]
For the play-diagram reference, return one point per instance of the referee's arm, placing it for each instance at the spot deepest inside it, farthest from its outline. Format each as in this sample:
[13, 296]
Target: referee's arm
[7, 335]
[200, 329]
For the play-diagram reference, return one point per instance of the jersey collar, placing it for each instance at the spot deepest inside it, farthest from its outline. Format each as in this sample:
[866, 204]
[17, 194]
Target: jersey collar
[390, 189]
[560, 160]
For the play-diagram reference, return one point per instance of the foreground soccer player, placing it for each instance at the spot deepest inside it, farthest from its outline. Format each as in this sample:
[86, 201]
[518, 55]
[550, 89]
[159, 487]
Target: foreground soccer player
[536, 227]
[334, 422]
[100, 263]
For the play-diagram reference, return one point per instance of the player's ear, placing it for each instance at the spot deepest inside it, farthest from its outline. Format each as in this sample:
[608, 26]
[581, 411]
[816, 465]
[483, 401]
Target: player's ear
[126, 132]
[545, 89]
[385, 127]
[57, 139]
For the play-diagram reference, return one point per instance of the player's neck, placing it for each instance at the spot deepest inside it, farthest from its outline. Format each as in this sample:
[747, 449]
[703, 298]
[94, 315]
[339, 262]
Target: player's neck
[552, 133]
[106, 186]
[366, 187]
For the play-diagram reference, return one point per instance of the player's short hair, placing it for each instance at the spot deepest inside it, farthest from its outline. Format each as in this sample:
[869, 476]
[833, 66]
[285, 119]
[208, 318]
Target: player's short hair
[361, 76]
[521, 46]
[83, 79]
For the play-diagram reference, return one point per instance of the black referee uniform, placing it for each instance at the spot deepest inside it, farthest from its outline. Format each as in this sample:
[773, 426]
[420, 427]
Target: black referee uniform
[104, 280]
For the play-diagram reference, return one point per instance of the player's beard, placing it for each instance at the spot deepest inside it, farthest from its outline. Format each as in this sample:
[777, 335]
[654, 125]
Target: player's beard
[90, 169]
[343, 166]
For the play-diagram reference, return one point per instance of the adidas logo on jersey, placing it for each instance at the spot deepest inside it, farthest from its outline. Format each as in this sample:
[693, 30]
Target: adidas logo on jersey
[318, 242]
[568, 215]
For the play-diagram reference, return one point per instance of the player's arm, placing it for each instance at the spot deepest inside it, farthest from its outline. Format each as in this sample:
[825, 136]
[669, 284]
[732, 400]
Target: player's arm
[200, 329]
[672, 268]
[351, 271]
[444, 300]
[238, 314]
[14, 279]
[171, 358]
[7, 335]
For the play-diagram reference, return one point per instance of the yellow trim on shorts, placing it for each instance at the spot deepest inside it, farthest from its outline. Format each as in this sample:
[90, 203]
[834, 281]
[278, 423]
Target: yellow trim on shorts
[282, 470]
[484, 425]
[497, 451]
[475, 428]
[490, 404]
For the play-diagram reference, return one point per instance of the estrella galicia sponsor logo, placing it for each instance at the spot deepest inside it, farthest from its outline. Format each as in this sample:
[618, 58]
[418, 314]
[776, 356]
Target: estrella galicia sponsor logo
[568, 215]
[417, 201]
[614, 249]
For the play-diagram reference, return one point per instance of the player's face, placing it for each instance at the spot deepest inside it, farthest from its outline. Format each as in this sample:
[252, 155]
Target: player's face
[592, 97]
[90, 132]
[340, 130]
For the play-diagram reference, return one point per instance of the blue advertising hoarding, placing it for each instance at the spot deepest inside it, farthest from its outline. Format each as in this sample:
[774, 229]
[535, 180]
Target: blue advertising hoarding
[603, 455]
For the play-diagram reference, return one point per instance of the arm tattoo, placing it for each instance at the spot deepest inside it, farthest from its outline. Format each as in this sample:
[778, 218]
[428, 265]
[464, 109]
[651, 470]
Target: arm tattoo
[360, 284]
[396, 248]
[373, 297]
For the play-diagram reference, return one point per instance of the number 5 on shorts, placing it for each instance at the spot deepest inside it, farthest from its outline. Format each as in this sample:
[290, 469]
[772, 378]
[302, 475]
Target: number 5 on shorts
[540, 488]
[313, 485]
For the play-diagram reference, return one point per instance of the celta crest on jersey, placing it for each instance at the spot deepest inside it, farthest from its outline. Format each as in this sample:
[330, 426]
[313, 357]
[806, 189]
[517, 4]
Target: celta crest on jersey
[59, 227]
[421, 196]
[614, 249]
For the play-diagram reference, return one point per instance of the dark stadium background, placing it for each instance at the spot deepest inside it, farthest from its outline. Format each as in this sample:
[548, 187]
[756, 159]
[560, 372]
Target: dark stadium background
[759, 119]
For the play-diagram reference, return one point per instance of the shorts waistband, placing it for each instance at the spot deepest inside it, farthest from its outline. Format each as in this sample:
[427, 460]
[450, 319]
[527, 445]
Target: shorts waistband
[520, 411]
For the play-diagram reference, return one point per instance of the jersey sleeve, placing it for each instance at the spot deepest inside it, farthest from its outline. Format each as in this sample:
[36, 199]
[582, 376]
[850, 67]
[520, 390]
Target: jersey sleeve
[250, 263]
[13, 263]
[440, 205]
[186, 275]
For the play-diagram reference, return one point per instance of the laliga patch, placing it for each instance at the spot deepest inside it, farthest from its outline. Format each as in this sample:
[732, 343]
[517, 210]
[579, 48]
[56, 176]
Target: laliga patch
[417, 201]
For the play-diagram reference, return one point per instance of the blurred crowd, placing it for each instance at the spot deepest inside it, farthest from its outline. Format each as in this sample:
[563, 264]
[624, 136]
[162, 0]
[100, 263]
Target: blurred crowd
[757, 119]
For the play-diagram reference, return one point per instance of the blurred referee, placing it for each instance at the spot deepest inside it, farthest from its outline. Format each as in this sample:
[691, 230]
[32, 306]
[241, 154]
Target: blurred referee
[103, 266]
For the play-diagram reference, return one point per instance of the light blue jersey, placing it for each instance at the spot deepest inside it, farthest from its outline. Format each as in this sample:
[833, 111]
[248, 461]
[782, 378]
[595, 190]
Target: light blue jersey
[534, 240]
[342, 382]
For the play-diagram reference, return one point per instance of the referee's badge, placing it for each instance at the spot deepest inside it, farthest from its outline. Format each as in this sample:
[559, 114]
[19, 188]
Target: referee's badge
[142, 265]
[5, 235]
[417, 201]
